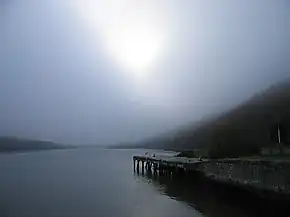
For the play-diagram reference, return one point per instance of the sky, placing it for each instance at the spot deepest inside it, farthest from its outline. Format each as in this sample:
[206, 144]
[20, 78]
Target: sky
[115, 71]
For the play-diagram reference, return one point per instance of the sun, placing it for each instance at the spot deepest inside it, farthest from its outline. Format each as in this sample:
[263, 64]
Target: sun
[133, 41]
[135, 48]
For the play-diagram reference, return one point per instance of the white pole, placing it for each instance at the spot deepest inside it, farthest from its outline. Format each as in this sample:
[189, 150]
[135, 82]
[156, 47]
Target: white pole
[279, 135]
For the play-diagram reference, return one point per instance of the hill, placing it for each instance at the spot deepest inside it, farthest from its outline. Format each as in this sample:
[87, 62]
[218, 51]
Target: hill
[11, 144]
[240, 131]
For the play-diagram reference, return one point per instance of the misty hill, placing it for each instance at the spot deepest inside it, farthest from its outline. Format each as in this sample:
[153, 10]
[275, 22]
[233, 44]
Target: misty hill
[240, 131]
[11, 144]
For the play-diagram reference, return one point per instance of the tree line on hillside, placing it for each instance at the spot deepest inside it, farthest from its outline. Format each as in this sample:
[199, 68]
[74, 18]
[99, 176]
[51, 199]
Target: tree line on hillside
[11, 144]
[240, 132]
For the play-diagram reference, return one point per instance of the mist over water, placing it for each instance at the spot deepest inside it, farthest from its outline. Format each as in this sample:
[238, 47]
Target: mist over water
[94, 182]
[63, 75]
[100, 73]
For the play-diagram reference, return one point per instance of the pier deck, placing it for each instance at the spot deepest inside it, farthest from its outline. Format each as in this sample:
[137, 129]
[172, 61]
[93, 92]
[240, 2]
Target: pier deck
[265, 174]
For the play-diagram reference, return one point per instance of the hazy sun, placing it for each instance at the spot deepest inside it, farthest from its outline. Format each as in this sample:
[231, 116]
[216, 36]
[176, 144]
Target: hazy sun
[132, 41]
[135, 48]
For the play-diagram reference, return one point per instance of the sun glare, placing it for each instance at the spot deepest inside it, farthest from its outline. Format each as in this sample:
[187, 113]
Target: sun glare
[130, 42]
[135, 48]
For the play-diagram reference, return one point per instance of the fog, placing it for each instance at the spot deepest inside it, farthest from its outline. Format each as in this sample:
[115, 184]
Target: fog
[59, 80]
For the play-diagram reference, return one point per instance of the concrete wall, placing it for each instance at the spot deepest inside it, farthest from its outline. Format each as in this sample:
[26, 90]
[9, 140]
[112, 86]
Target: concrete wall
[267, 175]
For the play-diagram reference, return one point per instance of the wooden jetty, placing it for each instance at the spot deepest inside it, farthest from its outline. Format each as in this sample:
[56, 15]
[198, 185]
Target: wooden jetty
[163, 164]
[257, 173]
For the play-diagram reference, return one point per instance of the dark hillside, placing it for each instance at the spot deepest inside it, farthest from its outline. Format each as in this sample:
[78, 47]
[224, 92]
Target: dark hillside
[241, 131]
[11, 144]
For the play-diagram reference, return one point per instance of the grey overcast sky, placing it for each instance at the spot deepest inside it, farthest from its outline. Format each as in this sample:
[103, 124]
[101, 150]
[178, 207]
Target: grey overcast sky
[108, 71]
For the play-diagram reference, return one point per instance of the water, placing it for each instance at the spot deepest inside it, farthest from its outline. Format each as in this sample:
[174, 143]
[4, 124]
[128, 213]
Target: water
[92, 182]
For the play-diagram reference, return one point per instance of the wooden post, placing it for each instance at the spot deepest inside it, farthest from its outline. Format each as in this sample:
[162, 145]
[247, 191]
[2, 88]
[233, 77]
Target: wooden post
[160, 169]
[142, 166]
[155, 167]
[138, 165]
[149, 166]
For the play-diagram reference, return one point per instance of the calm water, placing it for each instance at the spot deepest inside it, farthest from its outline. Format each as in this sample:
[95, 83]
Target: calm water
[91, 182]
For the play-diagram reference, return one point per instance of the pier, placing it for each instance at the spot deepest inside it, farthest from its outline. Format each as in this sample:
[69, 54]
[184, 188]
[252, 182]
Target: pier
[257, 173]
